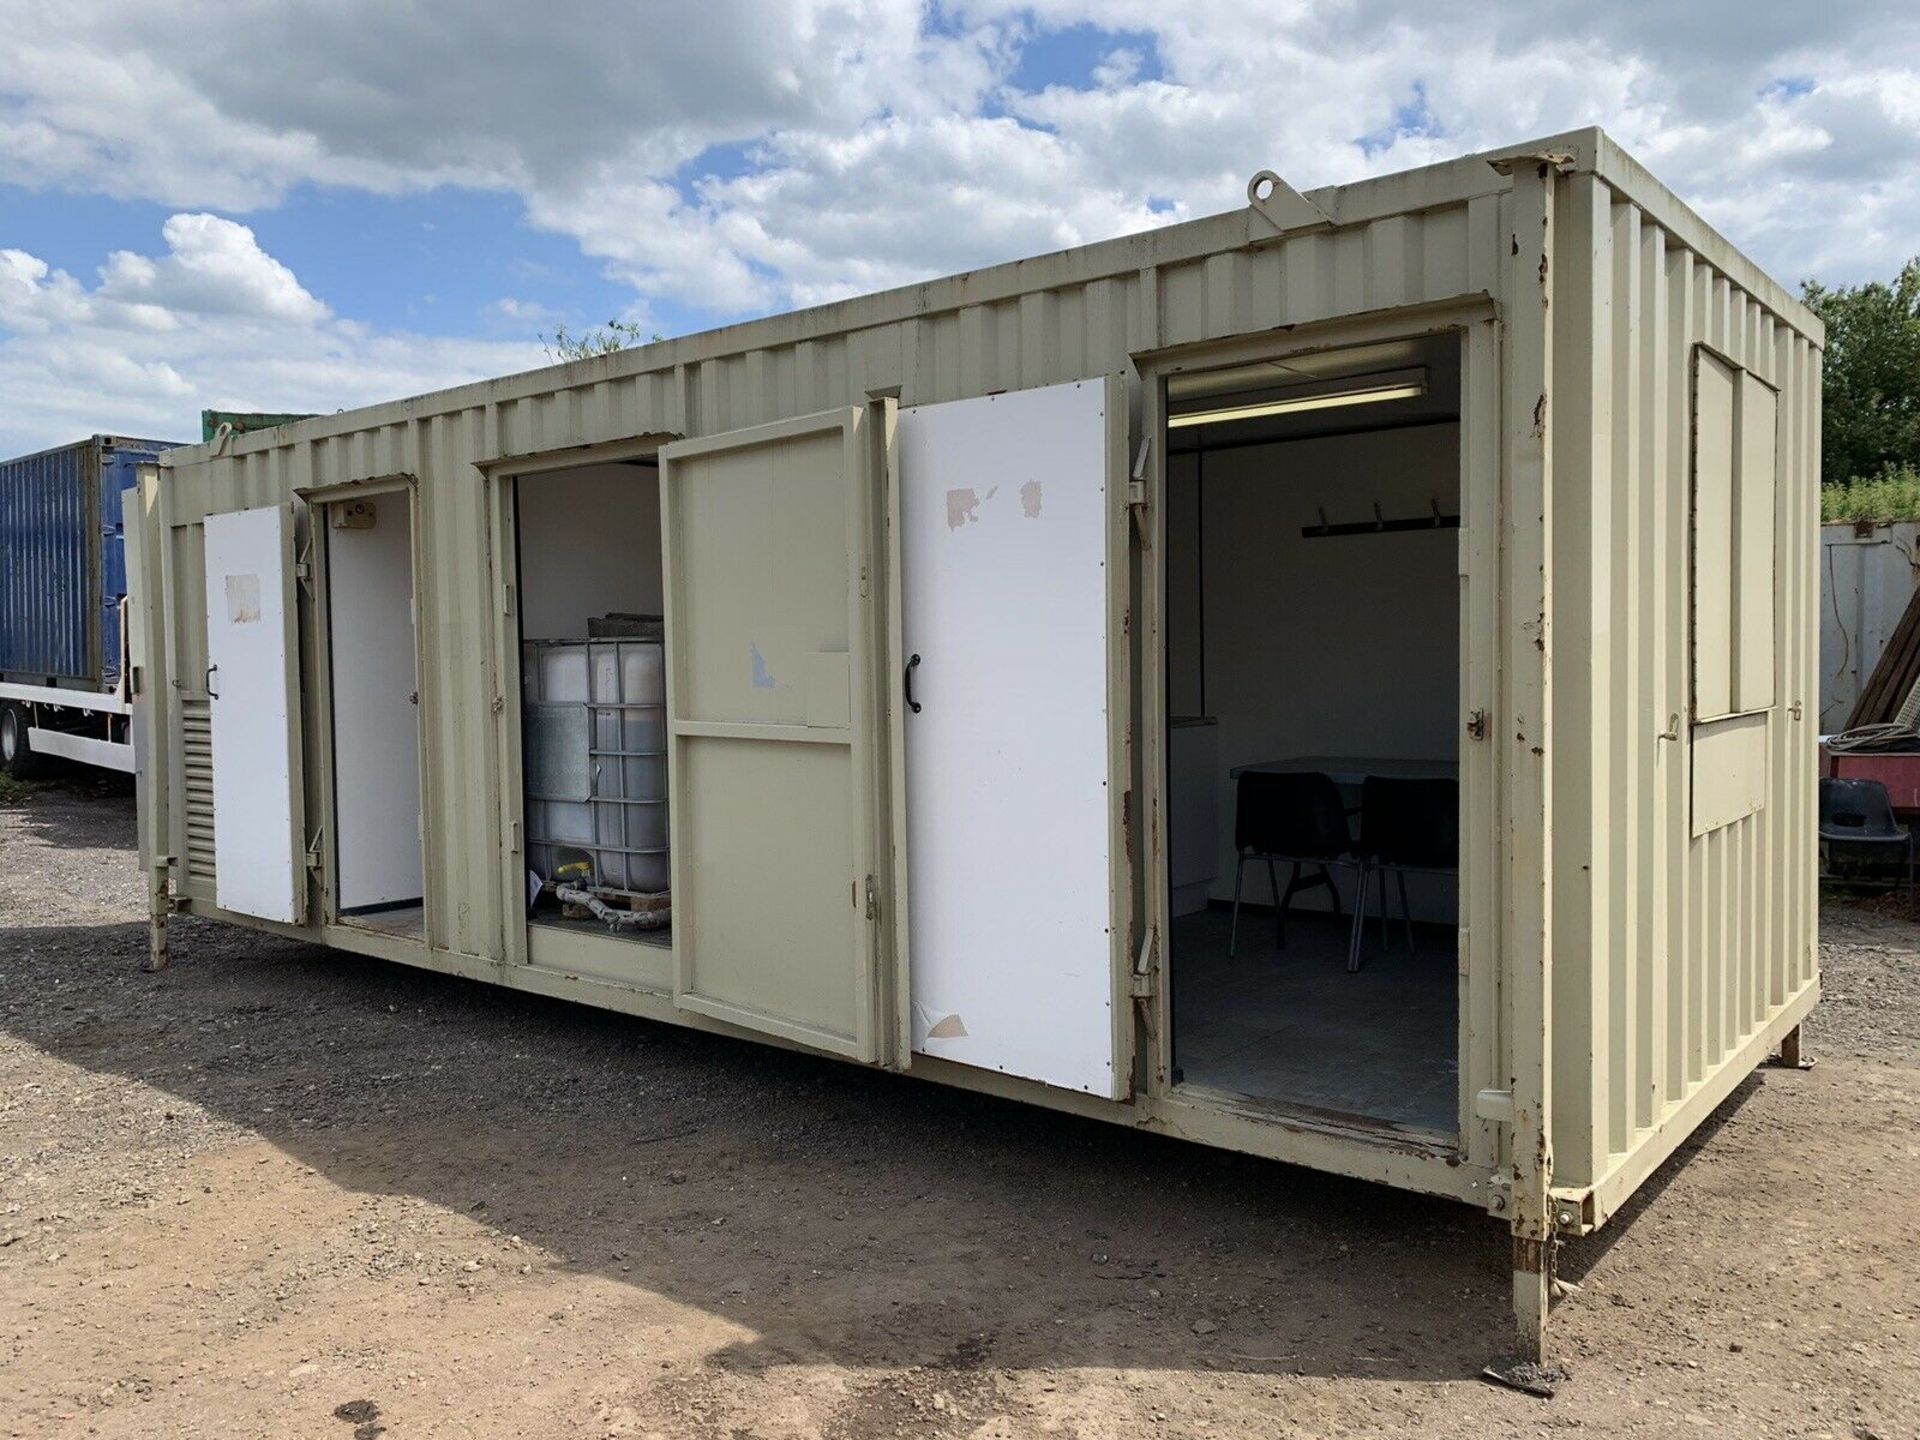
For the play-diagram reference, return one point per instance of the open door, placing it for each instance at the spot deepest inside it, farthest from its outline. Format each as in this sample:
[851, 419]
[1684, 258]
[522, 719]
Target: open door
[1012, 525]
[769, 625]
[251, 661]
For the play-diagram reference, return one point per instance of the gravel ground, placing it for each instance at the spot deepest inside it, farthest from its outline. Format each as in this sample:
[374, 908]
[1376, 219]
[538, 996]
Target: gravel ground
[283, 1191]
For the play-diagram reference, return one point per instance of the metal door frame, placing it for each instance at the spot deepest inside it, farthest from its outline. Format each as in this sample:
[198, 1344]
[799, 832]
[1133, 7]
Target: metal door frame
[500, 479]
[319, 657]
[1473, 320]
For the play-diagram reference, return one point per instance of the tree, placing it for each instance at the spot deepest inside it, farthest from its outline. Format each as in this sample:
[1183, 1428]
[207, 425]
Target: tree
[601, 340]
[1870, 375]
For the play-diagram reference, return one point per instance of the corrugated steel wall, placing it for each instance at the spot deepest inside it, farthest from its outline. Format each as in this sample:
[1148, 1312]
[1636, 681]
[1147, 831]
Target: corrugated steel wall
[62, 561]
[49, 582]
[1671, 951]
[1027, 339]
[1866, 579]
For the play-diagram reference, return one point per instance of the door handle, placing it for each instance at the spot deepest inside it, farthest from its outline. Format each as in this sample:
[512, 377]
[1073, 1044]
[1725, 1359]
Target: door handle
[212, 670]
[912, 665]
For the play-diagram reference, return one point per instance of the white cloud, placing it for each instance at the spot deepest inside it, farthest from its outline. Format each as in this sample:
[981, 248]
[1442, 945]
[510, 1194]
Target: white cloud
[213, 267]
[213, 323]
[738, 156]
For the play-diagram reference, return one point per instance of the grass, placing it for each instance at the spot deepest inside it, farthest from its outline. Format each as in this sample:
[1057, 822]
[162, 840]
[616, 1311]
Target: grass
[1893, 494]
[12, 791]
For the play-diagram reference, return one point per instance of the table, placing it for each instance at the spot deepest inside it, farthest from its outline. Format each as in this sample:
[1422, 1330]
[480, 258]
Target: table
[1354, 769]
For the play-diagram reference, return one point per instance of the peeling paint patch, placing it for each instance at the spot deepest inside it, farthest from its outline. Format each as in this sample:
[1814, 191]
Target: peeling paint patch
[963, 507]
[949, 1028]
[762, 678]
[1030, 499]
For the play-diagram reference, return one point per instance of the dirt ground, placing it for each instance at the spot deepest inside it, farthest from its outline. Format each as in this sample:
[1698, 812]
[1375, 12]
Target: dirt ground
[281, 1191]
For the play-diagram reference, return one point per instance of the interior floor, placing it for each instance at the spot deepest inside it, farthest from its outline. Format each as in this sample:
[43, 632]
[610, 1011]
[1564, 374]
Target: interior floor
[401, 920]
[1292, 1025]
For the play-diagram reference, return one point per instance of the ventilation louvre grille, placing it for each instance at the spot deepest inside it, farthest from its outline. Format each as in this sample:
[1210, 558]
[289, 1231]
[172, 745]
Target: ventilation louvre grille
[196, 737]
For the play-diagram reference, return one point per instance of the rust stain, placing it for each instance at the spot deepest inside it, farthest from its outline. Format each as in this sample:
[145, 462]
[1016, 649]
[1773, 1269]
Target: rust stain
[1030, 499]
[1539, 431]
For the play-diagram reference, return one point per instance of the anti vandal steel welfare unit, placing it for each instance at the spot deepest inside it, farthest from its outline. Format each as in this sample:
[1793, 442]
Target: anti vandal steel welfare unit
[975, 661]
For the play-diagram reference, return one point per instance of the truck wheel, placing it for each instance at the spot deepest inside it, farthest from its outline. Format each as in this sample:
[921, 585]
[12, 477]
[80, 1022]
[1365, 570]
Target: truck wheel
[16, 751]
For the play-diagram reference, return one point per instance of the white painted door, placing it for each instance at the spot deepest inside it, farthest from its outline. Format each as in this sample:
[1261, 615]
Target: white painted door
[256, 737]
[1010, 523]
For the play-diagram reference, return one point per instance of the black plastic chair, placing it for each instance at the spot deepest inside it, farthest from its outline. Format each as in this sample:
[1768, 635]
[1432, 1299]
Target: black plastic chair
[1860, 812]
[1295, 818]
[1404, 825]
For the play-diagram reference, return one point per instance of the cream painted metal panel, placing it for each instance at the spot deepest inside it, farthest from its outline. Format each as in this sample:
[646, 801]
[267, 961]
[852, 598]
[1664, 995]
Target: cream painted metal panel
[1757, 506]
[768, 583]
[1714, 385]
[256, 730]
[1693, 953]
[1006, 509]
[1729, 770]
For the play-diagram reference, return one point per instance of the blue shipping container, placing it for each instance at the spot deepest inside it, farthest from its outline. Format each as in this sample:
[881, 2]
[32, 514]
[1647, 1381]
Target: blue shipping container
[63, 566]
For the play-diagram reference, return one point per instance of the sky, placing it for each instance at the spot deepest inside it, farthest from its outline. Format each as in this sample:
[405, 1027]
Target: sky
[252, 205]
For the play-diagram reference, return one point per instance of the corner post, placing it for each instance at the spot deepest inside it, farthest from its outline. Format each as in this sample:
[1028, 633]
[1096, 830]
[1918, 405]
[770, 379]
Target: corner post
[1527, 629]
[159, 907]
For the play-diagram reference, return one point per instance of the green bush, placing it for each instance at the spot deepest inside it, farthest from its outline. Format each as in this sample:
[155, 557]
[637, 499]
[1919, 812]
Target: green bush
[1893, 494]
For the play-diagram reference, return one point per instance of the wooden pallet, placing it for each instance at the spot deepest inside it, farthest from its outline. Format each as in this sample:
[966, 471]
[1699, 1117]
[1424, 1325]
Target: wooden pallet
[620, 900]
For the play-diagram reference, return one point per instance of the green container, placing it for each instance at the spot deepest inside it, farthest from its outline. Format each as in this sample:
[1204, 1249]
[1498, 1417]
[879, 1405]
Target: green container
[242, 421]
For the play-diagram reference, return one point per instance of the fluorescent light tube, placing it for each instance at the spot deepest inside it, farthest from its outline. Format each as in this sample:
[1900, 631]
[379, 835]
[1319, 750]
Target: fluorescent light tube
[1370, 395]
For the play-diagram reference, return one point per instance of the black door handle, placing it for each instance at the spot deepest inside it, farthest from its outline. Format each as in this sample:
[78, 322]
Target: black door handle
[912, 665]
[212, 670]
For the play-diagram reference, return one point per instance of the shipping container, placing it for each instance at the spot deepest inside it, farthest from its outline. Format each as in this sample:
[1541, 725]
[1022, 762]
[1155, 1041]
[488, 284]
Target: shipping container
[1447, 538]
[242, 422]
[62, 570]
[63, 583]
[1868, 571]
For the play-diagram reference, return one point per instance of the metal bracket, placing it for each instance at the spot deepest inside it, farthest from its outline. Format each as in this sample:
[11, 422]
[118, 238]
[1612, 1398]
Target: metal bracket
[1558, 160]
[1282, 206]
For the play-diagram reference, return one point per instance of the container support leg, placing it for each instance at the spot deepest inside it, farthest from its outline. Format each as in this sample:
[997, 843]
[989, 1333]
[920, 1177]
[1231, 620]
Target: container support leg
[1790, 1056]
[1532, 1294]
[159, 907]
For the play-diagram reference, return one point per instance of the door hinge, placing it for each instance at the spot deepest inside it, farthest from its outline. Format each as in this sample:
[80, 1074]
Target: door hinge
[865, 585]
[1477, 724]
[873, 898]
[513, 837]
[314, 861]
[1140, 983]
[1137, 498]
